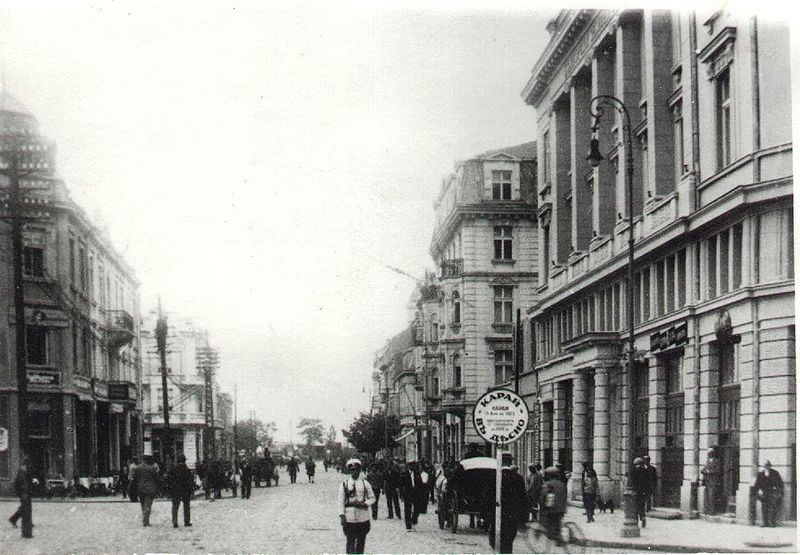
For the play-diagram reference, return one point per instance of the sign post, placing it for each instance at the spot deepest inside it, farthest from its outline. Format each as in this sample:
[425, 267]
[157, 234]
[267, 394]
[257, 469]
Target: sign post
[500, 417]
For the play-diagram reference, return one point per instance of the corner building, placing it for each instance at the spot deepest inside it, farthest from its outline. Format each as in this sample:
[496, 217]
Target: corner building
[714, 361]
[82, 330]
[484, 243]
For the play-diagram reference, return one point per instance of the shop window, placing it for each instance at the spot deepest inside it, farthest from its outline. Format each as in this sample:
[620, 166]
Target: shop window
[38, 422]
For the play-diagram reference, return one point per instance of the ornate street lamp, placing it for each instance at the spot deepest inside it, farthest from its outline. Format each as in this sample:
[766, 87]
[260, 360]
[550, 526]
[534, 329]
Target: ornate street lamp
[630, 525]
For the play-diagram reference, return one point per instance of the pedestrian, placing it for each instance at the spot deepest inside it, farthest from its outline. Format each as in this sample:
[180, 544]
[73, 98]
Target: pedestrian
[769, 488]
[246, 472]
[326, 462]
[133, 492]
[712, 479]
[375, 479]
[652, 482]
[123, 479]
[590, 487]
[293, 467]
[23, 488]
[391, 484]
[180, 484]
[513, 501]
[411, 490]
[533, 486]
[640, 481]
[146, 478]
[310, 469]
[553, 503]
[355, 498]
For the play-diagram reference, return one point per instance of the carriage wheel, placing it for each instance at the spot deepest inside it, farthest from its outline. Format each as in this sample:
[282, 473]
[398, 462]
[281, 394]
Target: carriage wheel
[441, 514]
[454, 513]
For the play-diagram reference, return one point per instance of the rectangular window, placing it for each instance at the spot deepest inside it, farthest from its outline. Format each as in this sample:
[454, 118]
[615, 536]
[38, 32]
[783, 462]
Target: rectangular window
[86, 345]
[33, 261]
[660, 283]
[36, 345]
[82, 267]
[670, 283]
[697, 267]
[75, 347]
[736, 257]
[617, 305]
[579, 318]
[501, 184]
[673, 373]
[503, 366]
[545, 253]
[72, 276]
[724, 261]
[502, 242]
[723, 116]
[711, 268]
[456, 371]
[727, 365]
[601, 310]
[677, 131]
[503, 304]
[645, 294]
[681, 277]
[546, 156]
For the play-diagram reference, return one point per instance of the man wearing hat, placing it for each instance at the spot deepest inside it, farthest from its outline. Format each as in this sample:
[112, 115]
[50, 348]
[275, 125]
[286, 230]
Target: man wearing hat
[769, 487]
[412, 489]
[514, 504]
[652, 482]
[640, 482]
[181, 487]
[355, 499]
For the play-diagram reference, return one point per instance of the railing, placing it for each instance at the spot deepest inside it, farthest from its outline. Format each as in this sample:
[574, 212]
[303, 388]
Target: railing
[120, 327]
[453, 267]
[578, 265]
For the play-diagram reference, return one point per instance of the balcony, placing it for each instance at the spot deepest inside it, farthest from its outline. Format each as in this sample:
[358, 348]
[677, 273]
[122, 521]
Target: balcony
[453, 267]
[120, 328]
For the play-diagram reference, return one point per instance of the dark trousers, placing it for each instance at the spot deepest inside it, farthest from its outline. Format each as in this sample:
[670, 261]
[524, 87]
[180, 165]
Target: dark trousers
[770, 509]
[356, 534]
[588, 505]
[146, 501]
[247, 487]
[507, 535]
[393, 502]
[410, 511]
[293, 477]
[375, 505]
[641, 507]
[24, 512]
[187, 511]
[649, 501]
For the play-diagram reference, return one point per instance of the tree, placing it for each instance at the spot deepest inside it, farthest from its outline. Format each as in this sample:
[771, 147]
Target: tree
[331, 435]
[371, 433]
[252, 433]
[313, 430]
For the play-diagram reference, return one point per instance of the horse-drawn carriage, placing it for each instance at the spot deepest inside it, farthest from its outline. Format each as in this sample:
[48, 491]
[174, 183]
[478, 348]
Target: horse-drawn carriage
[464, 491]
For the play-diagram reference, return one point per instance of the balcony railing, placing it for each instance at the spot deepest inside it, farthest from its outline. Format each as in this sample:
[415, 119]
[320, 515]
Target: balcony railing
[453, 267]
[120, 328]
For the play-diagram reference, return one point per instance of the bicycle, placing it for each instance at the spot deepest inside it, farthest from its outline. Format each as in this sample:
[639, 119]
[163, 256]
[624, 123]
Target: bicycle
[572, 539]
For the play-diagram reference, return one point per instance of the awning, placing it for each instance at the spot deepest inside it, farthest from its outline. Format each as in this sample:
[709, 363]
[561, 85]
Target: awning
[405, 435]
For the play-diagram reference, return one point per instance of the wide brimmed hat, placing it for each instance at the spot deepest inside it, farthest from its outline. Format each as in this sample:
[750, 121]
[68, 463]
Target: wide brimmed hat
[353, 463]
[638, 460]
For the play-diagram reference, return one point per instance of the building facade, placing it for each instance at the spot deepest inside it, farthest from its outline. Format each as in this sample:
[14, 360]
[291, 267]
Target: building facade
[82, 329]
[713, 290]
[485, 246]
[188, 363]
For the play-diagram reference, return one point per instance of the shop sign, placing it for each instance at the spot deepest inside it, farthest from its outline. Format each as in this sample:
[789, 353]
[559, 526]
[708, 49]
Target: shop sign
[500, 416]
[673, 337]
[119, 391]
[44, 378]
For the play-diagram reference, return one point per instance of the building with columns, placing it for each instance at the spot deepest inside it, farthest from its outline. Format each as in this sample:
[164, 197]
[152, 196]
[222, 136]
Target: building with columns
[485, 245]
[82, 329]
[714, 363]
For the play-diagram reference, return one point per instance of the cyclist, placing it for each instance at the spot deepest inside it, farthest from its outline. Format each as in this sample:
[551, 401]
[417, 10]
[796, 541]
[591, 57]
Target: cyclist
[553, 503]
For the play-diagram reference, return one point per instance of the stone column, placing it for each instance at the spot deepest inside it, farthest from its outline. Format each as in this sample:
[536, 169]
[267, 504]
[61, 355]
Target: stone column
[601, 444]
[580, 441]
[559, 415]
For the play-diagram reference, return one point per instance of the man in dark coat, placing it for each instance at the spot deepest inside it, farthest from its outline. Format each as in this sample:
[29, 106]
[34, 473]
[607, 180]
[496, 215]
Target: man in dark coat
[769, 487]
[412, 489]
[147, 480]
[247, 478]
[375, 479]
[23, 486]
[640, 481]
[652, 482]
[181, 487]
[553, 503]
[513, 502]
[293, 467]
[391, 483]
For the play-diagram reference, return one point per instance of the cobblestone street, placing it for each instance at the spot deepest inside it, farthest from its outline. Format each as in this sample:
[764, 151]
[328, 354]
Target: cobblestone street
[300, 518]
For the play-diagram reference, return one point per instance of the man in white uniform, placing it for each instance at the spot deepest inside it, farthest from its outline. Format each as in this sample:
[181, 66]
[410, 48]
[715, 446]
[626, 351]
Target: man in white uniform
[355, 499]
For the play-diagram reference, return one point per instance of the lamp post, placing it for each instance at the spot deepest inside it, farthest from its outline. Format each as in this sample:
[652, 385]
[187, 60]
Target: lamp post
[630, 525]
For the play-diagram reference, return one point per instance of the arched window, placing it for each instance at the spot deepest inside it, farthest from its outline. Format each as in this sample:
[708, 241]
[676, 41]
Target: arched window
[456, 371]
[456, 307]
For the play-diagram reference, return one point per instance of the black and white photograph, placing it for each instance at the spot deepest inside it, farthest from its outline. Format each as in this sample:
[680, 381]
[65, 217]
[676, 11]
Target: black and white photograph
[397, 277]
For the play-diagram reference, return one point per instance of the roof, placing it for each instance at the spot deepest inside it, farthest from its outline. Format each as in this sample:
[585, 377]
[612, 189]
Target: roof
[10, 104]
[525, 151]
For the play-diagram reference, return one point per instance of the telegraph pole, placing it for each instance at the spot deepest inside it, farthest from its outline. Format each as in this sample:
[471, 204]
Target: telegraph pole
[161, 342]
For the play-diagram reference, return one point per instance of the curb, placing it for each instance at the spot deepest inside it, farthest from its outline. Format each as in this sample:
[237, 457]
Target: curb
[667, 548]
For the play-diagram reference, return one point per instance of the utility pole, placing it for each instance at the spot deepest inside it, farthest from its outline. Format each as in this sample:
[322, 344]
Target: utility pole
[161, 342]
[235, 424]
[207, 361]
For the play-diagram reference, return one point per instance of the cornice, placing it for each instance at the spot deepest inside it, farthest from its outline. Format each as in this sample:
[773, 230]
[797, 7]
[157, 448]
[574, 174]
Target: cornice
[519, 209]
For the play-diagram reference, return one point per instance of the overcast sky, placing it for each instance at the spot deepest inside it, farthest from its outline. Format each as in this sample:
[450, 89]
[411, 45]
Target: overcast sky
[255, 165]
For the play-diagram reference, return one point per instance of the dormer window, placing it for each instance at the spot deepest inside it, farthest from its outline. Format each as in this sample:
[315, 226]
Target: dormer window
[501, 184]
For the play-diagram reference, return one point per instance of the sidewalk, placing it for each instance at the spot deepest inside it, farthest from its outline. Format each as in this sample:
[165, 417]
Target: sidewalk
[684, 536]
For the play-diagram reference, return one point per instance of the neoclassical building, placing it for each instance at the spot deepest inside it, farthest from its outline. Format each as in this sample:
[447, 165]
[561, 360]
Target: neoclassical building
[714, 364]
[82, 329]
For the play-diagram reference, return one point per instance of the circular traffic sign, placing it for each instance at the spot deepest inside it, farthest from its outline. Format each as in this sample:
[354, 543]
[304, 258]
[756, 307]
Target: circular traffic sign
[500, 416]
